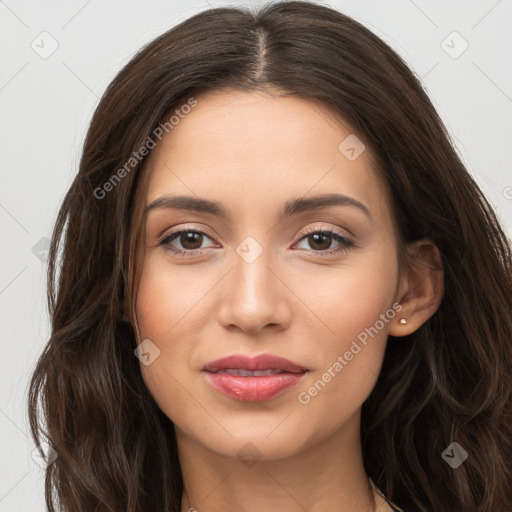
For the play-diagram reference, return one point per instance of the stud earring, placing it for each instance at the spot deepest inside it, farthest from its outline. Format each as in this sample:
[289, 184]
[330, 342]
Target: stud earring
[402, 321]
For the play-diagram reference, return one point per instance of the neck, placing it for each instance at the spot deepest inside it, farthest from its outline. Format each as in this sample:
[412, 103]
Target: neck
[328, 475]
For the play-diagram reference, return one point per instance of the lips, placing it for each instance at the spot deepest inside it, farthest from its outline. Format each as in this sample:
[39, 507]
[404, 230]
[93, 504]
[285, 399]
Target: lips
[253, 379]
[248, 373]
[262, 362]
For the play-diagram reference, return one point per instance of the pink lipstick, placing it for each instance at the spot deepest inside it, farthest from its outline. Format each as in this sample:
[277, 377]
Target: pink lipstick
[253, 379]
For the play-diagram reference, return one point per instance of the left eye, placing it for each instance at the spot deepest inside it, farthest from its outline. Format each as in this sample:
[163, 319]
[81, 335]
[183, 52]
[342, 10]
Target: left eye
[190, 240]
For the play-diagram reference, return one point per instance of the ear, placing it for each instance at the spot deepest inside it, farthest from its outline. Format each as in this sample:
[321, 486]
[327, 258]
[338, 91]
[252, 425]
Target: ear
[420, 288]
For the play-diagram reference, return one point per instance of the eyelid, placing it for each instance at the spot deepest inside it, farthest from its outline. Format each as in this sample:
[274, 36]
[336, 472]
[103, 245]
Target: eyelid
[337, 230]
[182, 227]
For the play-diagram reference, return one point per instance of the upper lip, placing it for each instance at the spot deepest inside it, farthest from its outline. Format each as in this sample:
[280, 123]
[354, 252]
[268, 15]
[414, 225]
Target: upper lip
[258, 363]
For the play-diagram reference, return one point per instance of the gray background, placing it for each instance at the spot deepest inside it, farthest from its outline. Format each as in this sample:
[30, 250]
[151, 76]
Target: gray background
[46, 103]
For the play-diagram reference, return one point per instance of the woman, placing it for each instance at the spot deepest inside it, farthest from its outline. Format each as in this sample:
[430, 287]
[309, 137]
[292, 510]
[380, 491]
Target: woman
[280, 289]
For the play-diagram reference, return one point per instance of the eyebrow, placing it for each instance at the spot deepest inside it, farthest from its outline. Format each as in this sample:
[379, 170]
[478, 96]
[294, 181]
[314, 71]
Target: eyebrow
[291, 207]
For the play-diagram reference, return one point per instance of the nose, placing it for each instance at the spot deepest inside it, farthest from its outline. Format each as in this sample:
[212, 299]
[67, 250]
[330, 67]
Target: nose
[253, 297]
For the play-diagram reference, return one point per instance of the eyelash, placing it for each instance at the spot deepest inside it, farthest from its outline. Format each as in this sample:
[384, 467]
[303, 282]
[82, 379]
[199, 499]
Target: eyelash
[345, 243]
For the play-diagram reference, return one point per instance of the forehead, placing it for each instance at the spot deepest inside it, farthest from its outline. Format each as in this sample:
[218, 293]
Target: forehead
[245, 147]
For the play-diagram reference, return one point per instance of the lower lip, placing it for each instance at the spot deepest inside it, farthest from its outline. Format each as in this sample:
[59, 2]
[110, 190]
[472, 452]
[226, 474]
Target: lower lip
[253, 389]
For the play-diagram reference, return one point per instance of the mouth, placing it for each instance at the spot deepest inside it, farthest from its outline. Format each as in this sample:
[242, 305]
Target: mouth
[253, 379]
[241, 372]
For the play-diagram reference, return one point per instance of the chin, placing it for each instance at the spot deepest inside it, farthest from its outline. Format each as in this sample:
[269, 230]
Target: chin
[250, 439]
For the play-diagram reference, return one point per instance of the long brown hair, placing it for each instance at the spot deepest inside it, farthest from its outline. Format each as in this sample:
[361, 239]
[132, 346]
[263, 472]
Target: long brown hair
[447, 382]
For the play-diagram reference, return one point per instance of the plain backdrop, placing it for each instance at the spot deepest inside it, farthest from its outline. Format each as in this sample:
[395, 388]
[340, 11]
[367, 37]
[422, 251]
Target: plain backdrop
[56, 59]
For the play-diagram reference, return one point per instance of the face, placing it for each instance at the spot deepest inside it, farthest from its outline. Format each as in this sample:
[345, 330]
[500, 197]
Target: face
[264, 271]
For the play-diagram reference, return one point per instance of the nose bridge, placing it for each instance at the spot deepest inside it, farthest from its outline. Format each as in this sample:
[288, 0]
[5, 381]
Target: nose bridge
[253, 298]
[251, 271]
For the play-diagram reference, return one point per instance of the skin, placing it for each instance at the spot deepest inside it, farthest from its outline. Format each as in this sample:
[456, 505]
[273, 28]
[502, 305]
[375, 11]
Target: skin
[252, 152]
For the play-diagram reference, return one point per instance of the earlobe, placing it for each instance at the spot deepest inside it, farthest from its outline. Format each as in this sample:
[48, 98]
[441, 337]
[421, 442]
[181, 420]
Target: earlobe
[421, 288]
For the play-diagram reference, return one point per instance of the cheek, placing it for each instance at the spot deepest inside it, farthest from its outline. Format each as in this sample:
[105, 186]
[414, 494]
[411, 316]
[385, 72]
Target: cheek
[171, 313]
[159, 308]
[168, 299]
[355, 302]
[352, 297]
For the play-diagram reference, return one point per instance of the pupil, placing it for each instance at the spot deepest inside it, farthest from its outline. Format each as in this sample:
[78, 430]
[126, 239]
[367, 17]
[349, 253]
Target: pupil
[325, 237]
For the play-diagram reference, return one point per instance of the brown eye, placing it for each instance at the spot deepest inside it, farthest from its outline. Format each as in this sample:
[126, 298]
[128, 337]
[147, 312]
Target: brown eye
[320, 241]
[189, 241]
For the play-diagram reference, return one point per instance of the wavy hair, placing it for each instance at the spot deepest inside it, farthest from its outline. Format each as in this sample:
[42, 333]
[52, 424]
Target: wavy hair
[448, 381]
